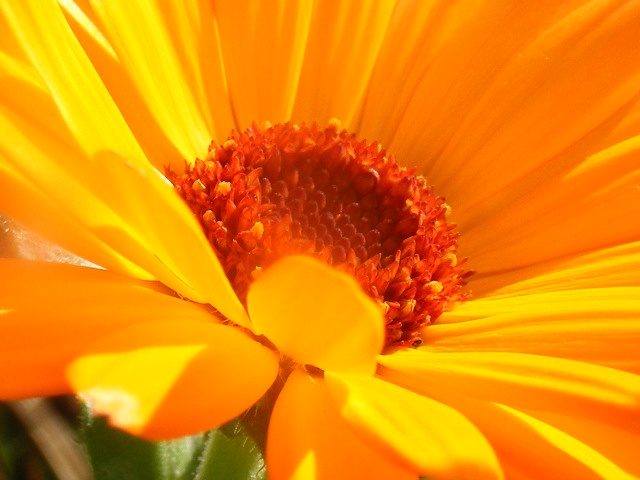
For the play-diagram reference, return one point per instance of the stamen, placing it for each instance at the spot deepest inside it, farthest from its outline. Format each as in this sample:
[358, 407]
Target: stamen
[274, 191]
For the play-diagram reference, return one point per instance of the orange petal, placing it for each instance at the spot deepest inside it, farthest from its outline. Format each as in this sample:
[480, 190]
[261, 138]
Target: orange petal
[263, 46]
[343, 43]
[518, 93]
[49, 311]
[308, 440]
[617, 266]
[419, 433]
[552, 213]
[596, 325]
[439, 70]
[166, 379]
[528, 381]
[317, 315]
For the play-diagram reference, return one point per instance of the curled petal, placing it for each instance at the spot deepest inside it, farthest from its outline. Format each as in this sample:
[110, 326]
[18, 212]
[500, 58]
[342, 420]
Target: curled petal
[49, 312]
[168, 379]
[317, 315]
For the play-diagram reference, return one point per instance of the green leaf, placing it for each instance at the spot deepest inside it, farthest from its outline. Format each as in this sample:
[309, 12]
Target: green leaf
[232, 454]
[115, 454]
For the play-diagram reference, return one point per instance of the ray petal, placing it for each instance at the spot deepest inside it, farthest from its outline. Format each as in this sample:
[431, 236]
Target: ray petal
[145, 200]
[418, 432]
[569, 212]
[514, 99]
[617, 266]
[87, 28]
[592, 325]
[137, 32]
[317, 315]
[262, 48]
[619, 445]
[343, 44]
[23, 91]
[57, 55]
[528, 381]
[170, 378]
[194, 32]
[307, 439]
[21, 201]
[50, 311]
[528, 448]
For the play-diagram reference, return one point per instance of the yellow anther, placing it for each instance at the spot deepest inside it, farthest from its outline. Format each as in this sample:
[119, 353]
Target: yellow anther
[337, 124]
[407, 306]
[209, 216]
[198, 186]
[451, 258]
[222, 189]
[230, 145]
[257, 230]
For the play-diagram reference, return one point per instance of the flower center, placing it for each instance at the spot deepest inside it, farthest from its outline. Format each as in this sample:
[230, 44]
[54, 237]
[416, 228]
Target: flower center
[275, 191]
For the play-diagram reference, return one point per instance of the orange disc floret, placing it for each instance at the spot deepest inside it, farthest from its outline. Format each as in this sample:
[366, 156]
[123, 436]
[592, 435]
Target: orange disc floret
[280, 190]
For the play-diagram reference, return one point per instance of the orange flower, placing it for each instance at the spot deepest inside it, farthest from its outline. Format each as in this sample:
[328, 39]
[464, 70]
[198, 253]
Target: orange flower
[524, 116]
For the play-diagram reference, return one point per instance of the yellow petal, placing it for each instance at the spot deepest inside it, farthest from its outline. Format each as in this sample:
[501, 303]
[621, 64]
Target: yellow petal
[528, 381]
[22, 202]
[262, 46]
[166, 379]
[601, 466]
[23, 91]
[308, 440]
[58, 57]
[616, 300]
[342, 46]
[194, 31]
[530, 449]
[317, 315]
[100, 196]
[157, 147]
[417, 432]
[10, 44]
[65, 179]
[620, 446]
[148, 203]
[49, 311]
[137, 33]
[592, 325]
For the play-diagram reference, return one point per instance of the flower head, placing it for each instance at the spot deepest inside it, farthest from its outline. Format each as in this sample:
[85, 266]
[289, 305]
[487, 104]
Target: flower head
[301, 254]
